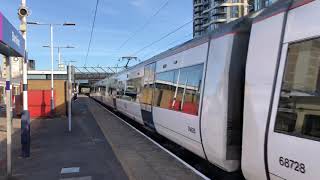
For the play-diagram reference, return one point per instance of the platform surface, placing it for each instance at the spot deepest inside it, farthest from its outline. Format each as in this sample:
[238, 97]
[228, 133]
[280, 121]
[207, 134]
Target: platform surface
[99, 147]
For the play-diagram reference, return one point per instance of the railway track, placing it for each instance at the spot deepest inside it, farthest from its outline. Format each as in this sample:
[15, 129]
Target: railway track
[196, 164]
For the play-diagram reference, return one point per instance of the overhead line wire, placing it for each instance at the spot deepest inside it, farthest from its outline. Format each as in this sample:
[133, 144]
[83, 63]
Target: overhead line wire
[180, 39]
[163, 37]
[144, 25]
[171, 43]
[92, 29]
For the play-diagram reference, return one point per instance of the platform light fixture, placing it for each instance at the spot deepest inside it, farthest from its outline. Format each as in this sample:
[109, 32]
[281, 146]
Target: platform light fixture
[51, 25]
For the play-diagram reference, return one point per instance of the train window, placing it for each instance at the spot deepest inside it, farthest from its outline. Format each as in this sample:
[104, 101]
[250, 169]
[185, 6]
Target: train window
[132, 89]
[147, 88]
[102, 89]
[188, 93]
[111, 91]
[165, 87]
[179, 90]
[299, 104]
[120, 88]
[2, 95]
[111, 85]
[311, 126]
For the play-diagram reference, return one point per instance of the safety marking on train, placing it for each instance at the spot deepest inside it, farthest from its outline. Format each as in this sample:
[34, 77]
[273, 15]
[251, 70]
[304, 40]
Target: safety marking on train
[160, 146]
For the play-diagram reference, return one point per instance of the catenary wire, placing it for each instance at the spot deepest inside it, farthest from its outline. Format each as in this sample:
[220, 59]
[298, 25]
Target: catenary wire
[170, 44]
[144, 25]
[163, 37]
[92, 29]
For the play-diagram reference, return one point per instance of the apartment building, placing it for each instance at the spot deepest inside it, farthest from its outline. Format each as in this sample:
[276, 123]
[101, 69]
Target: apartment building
[259, 4]
[210, 14]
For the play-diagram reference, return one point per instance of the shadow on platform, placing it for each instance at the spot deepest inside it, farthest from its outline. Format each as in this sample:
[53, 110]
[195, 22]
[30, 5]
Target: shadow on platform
[54, 148]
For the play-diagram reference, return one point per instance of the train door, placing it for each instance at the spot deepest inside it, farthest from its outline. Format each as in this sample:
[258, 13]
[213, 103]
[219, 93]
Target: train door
[146, 97]
[294, 133]
[293, 144]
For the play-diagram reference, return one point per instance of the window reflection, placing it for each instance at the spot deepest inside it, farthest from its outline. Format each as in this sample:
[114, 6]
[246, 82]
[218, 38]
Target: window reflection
[165, 88]
[189, 89]
[179, 90]
[111, 87]
[299, 104]
[130, 89]
[147, 91]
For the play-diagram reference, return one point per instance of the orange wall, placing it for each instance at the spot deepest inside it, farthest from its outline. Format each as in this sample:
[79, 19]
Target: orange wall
[60, 91]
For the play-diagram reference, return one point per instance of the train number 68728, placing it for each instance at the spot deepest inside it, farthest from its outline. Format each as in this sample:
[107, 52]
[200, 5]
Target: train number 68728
[292, 164]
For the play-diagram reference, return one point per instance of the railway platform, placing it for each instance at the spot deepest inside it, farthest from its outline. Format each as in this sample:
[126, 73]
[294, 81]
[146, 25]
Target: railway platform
[99, 147]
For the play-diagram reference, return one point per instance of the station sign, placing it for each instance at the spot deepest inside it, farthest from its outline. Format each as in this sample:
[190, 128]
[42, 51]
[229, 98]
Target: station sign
[11, 41]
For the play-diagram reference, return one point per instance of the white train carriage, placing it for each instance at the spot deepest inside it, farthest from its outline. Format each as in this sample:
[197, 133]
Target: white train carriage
[281, 130]
[173, 94]
[129, 88]
[110, 93]
[98, 91]
[248, 91]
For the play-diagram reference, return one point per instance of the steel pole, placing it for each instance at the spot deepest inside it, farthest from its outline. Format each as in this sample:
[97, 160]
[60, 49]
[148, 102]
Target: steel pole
[69, 96]
[52, 87]
[25, 115]
[25, 63]
[59, 58]
[9, 115]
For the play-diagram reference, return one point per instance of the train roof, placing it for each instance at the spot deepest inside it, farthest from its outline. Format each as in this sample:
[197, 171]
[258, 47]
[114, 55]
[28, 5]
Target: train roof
[279, 7]
[237, 26]
[240, 25]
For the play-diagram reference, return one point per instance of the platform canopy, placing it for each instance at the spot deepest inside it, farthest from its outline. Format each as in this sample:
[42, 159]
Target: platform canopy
[11, 41]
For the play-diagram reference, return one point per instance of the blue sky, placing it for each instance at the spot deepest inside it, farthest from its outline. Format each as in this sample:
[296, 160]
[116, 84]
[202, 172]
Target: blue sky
[116, 21]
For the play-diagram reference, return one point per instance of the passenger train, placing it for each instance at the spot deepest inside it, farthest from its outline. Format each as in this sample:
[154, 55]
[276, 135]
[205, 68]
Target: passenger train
[246, 96]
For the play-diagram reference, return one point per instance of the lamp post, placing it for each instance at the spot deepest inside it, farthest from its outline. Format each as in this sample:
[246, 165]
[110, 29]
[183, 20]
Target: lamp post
[59, 52]
[51, 47]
